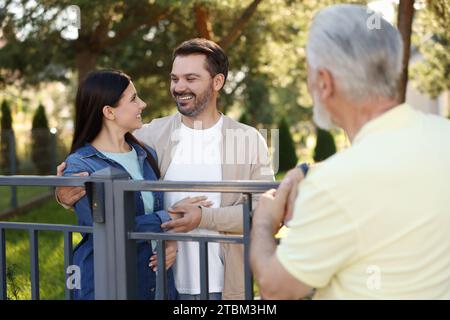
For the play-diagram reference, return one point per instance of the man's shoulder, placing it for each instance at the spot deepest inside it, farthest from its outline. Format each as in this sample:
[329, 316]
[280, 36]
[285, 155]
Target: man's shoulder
[161, 122]
[156, 127]
[337, 168]
[230, 123]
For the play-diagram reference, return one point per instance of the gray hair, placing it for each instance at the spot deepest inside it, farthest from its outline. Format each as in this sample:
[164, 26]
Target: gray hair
[365, 61]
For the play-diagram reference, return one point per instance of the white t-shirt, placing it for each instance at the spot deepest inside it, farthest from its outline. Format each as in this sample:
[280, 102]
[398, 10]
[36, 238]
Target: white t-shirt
[197, 157]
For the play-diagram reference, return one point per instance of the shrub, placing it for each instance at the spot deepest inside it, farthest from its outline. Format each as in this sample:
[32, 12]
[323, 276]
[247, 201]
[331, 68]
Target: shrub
[325, 146]
[41, 152]
[287, 156]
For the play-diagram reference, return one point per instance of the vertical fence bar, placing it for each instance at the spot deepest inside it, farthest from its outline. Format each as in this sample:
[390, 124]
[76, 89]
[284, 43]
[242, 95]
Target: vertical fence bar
[34, 264]
[53, 153]
[13, 166]
[68, 260]
[249, 295]
[204, 273]
[3, 288]
[161, 274]
[126, 249]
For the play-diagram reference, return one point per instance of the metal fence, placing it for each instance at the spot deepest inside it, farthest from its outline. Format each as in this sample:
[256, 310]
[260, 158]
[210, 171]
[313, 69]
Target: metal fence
[113, 209]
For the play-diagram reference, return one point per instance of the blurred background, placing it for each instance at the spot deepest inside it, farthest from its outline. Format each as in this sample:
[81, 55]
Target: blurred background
[47, 46]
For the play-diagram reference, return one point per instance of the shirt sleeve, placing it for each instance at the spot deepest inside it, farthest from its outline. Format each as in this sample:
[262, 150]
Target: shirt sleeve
[320, 239]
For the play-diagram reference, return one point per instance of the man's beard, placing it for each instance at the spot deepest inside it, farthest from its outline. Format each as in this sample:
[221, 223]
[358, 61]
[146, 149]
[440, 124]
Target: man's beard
[200, 102]
[321, 116]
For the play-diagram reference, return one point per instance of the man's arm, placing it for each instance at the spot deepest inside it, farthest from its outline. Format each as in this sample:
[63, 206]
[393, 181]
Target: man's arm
[225, 219]
[273, 279]
[68, 196]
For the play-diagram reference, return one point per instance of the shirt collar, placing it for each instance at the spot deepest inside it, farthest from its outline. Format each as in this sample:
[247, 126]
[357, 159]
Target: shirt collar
[396, 117]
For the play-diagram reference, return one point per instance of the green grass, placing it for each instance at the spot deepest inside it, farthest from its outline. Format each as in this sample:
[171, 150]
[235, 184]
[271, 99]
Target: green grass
[51, 253]
[24, 194]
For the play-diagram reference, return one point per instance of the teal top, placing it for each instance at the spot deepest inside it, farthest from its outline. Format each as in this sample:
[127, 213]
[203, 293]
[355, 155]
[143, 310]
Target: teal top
[129, 160]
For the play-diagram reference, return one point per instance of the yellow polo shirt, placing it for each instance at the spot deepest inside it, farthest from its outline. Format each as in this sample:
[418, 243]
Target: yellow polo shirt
[373, 221]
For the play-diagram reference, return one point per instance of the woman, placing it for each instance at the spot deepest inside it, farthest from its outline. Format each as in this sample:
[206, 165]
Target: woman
[108, 110]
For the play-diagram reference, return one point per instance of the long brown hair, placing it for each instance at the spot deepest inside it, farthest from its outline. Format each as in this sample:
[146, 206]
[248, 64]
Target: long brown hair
[98, 89]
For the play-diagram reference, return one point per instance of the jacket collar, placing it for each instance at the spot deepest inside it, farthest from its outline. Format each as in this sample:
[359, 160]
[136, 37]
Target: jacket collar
[88, 150]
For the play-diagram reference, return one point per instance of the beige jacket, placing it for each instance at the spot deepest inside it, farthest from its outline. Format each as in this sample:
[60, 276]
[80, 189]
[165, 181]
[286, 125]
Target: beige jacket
[244, 157]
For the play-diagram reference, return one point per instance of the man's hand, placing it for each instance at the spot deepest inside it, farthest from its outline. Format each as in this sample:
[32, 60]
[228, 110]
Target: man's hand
[272, 205]
[192, 215]
[171, 255]
[68, 196]
[199, 201]
[295, 175]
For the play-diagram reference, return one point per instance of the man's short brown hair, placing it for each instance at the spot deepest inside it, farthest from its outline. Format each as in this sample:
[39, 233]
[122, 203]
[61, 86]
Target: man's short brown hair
[216, 59]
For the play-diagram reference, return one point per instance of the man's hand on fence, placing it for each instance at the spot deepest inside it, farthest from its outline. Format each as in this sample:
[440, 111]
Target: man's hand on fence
[199, 201]
[295, 175]
[171, 255]
[192, 214]
[179, 210]
[68, 196]
[271, 209]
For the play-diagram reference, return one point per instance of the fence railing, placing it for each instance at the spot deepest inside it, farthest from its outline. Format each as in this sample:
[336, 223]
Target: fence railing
[113, 210]
[35, 152]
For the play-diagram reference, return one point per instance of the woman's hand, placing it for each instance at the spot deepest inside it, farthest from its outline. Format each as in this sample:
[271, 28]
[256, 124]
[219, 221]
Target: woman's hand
[171, 255]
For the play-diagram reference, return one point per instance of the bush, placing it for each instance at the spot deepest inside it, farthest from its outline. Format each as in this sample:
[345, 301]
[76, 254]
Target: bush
[325, 146]
[41, 152]
[287, 156]
[5, 138]
[244, 118]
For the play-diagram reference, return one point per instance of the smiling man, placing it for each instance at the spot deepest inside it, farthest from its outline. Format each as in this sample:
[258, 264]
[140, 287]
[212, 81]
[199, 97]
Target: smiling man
[193, 145]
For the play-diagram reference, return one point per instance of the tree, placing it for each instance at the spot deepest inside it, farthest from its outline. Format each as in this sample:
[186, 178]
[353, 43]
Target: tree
[41, 152]
[262, 38]
[287, 155]
[7, 136]
[404, 23]
[325, 145]
[432, 38]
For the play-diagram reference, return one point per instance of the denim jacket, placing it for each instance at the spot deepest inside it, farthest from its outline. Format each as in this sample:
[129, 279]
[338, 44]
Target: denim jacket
[89, 159]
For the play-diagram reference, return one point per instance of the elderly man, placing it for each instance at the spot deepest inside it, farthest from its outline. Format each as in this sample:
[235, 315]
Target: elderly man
[373, 221]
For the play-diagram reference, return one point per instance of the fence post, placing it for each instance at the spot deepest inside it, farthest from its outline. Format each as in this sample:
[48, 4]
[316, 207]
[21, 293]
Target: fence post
[247, 227]
[53, 151]
[12, 166]
[102, 204]
[126, 249]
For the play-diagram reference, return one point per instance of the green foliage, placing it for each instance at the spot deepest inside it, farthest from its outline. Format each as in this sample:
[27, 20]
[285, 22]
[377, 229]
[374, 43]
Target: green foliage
[287, 156]
[5, 138]
[267, 58]
[139, 36]
[244, 118]
[325, 145]
[432, 38]
[41, 152]
[6, 122]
